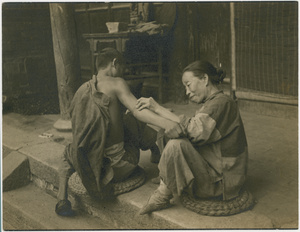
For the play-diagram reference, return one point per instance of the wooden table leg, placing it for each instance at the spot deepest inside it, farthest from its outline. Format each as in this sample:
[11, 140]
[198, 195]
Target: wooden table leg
[160, 75]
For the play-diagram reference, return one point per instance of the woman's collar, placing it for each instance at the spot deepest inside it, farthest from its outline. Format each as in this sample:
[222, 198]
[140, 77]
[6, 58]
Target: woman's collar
[213, 95]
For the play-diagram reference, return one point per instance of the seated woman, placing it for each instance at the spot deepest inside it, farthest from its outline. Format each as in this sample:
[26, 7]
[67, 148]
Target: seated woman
[209, 158]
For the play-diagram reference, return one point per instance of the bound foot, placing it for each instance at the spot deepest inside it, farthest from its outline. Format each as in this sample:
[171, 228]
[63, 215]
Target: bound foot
[64, 208]
[156, 202]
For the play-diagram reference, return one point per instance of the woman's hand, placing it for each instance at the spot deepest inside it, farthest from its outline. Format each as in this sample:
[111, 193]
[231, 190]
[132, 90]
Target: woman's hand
[173, 130]
[147, 103]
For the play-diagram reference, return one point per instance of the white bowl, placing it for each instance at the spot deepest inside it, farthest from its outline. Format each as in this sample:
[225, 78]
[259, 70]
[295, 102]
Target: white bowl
[114, 27]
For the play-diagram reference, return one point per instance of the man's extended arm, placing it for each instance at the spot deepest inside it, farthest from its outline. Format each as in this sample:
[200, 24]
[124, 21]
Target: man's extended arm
[172, 129]
[151, 104]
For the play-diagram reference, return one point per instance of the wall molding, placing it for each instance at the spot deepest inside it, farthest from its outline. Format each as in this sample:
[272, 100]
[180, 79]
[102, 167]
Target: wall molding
[266, 97]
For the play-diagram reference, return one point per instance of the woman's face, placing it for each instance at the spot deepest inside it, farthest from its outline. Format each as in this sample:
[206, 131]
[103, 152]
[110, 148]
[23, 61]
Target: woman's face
[195, 88]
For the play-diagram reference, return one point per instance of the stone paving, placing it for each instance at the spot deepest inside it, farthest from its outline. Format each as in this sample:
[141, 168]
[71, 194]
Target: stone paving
[272, 173]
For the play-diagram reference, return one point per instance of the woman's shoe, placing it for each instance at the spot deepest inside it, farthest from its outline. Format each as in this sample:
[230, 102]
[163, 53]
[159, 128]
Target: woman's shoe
[156, 202]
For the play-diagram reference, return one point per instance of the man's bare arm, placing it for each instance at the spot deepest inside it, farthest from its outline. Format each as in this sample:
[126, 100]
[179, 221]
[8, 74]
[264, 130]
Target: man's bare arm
[151, 104]
[147, 116]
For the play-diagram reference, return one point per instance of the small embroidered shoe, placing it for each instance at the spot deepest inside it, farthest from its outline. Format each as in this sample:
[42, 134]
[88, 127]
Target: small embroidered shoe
[156, 202]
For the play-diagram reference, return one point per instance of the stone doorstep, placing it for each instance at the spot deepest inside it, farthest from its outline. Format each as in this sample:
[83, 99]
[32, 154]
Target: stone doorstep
[16, 172]
[44, 173]
[18, 219]
[117, 212]
[43, 161]
[123, 212]
[30, 208]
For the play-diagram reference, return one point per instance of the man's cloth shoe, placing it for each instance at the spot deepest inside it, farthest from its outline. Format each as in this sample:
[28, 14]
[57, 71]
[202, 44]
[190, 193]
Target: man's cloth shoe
[156, 202]
[64, 208]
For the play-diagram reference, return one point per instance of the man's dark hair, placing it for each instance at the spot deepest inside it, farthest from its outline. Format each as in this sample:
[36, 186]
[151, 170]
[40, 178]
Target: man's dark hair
[106, 56]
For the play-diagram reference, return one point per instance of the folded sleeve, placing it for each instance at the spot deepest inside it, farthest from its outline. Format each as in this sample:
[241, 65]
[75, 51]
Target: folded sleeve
[200, 129]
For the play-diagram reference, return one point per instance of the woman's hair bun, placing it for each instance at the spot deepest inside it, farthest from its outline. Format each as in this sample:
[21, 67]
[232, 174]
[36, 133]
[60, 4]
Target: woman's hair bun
[201, 67]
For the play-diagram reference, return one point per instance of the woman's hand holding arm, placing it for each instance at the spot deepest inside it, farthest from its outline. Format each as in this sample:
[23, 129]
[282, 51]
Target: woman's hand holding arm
[151, 104]
[147, 103]
[172, 128]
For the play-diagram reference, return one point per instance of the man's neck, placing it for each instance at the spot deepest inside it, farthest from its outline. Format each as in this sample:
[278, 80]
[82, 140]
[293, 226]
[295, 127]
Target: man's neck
[103, 74]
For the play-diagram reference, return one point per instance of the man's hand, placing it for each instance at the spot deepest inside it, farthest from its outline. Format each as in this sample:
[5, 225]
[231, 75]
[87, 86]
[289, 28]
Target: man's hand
[147, 103]
[173, 130]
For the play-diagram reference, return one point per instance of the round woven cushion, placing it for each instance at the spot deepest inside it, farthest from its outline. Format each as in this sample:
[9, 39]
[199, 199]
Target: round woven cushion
[216, 207]
[135, 180]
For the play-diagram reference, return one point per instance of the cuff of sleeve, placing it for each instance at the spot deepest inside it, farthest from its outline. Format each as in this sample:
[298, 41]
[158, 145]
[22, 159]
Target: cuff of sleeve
[184, 121]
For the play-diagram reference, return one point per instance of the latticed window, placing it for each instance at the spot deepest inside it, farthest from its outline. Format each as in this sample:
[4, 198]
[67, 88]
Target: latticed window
[267, 47]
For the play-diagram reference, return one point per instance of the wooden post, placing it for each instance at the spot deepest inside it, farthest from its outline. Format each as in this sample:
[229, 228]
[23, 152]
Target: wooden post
[66, 57]
[160, 72]
[233, 58]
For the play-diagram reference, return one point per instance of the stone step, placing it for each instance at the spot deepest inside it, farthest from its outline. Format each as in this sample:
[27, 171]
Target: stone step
[120, 213]
[16, 171]
[30, 208]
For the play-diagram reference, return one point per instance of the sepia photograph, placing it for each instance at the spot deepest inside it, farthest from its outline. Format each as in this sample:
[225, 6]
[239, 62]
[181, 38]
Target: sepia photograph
[174, 115]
